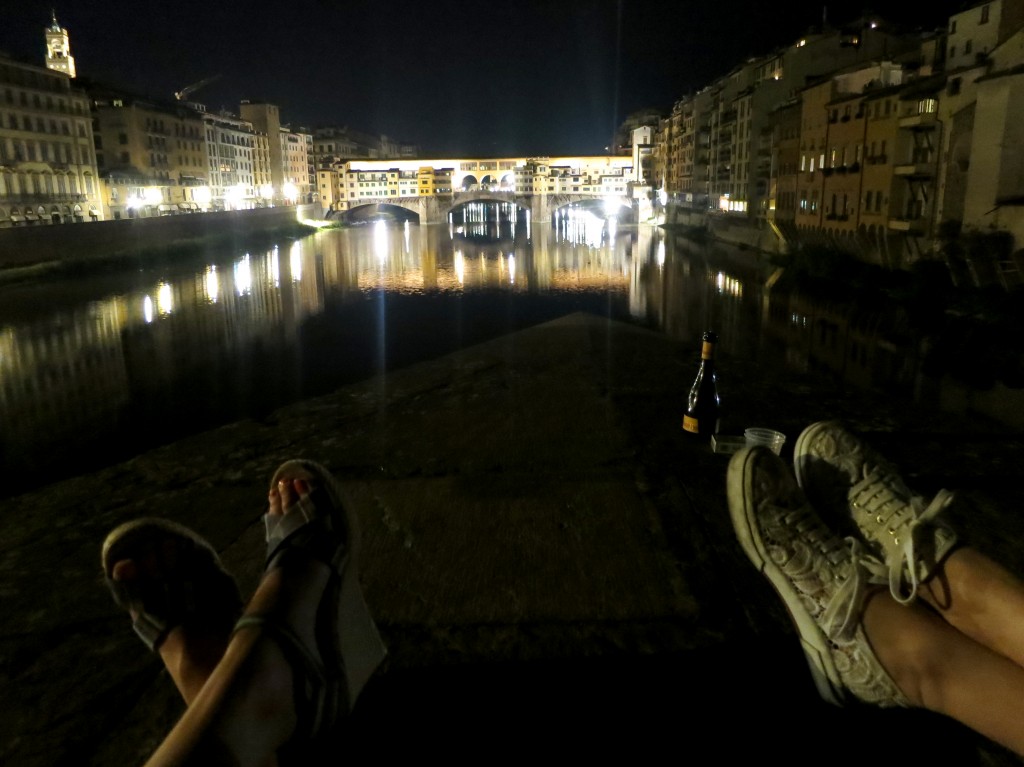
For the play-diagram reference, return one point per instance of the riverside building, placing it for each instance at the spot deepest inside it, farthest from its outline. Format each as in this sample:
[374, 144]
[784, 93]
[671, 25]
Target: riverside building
[292, 166]
[48, 172]
[893, 147]
[151, 155]
[358, 182]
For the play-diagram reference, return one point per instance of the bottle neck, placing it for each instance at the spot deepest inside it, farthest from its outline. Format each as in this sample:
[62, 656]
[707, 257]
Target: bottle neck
[707, 351]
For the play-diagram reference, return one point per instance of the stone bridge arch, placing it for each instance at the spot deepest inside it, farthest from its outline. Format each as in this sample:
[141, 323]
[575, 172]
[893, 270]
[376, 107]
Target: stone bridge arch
[478, 195]
[623, 208]
[374, 210]
[437, 209]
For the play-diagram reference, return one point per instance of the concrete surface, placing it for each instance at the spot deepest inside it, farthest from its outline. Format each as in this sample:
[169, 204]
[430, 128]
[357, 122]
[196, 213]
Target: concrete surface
[550, 560]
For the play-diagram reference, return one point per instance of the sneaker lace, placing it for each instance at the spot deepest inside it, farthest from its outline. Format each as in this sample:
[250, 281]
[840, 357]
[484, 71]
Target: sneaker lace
[900, 514]
[842, 613]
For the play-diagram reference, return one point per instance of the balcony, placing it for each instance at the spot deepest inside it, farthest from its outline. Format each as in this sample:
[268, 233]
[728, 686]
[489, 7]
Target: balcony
[922, 121]
[913, 171]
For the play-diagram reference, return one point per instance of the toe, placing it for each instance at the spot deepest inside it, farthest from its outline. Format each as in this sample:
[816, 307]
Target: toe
[124, 571]
[290, 493]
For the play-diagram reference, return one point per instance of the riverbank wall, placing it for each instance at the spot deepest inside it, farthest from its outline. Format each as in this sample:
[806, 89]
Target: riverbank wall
[741, 232]
[882, 248]
[31, 246]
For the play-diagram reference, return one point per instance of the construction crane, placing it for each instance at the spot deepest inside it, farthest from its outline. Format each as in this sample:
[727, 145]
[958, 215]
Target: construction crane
[188, 89]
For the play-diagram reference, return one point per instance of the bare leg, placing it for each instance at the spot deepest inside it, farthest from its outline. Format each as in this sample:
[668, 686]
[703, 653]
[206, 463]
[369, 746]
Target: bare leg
[941, 669]
[981, 599]
[245, 711]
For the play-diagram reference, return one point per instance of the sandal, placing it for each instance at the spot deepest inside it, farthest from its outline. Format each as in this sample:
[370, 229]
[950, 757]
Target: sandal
[189, 588]
[320, 527]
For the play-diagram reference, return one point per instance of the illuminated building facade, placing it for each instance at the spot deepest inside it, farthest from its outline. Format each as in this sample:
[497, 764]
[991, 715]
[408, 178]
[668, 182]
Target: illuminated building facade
[58, 49]
[48, 170]
[715, 151]
[974, 33]
[879, 143]
[348, 184]
[151, 155]
[297, 160]
[261, 175]
[292, 164]
[229, 161]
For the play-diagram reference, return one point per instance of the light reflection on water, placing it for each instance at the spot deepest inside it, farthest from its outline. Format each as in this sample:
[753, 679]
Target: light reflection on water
[108, 374]
[87, 379]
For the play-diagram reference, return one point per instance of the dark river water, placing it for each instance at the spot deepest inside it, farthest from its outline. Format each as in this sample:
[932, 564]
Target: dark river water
[95, 370]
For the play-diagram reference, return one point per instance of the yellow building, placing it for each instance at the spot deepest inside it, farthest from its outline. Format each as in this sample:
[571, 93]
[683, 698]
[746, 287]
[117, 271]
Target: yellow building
[152, 146]
[344, 185]
[48, 170]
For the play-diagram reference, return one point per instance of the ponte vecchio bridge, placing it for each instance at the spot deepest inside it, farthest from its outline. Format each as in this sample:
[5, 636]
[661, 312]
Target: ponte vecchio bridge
[431, 189]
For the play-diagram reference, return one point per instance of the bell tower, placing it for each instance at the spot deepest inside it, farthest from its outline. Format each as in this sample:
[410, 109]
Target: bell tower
[58, 49]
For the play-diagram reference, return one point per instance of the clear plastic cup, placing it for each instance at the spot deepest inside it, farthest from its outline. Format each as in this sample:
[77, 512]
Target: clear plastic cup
[771, 439]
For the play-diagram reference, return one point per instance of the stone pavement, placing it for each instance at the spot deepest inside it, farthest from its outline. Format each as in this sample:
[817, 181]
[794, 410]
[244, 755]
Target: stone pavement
[550, 560]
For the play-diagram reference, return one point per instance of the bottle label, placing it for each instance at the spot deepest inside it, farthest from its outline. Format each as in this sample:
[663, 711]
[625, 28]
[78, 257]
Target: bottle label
[691, 425]
[707, 350]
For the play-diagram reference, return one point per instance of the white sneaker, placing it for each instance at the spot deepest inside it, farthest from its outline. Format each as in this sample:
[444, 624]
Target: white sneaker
[820, 577]
[842, 475]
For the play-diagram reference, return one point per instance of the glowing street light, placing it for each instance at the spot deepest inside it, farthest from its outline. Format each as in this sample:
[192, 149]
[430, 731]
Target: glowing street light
[202, 195]
[233, 197]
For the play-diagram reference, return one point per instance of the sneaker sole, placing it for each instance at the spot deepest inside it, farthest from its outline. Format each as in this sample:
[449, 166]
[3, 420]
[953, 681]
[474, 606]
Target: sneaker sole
[800, 452]
[813, 641]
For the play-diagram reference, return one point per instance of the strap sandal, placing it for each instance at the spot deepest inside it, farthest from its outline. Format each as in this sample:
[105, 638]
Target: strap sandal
[320, 527]
[179, 580]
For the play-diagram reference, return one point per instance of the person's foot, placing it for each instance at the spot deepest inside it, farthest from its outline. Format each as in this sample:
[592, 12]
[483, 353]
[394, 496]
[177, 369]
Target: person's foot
[310, 601]
[844, 477]
[167, 576]
[820, 577]
[181, 600]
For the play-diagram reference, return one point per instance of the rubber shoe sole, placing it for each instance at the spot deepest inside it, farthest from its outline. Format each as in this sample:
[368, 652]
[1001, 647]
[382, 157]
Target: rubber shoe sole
[743, 510]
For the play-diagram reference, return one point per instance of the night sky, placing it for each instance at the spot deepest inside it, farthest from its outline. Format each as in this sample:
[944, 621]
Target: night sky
[545, 77]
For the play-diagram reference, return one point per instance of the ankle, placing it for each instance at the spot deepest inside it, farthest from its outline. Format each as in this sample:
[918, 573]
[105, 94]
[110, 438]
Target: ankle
[190, 656]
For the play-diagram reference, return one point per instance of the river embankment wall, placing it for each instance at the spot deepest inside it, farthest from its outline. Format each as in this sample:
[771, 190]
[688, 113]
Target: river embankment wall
[30, 246]
[744, 233]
